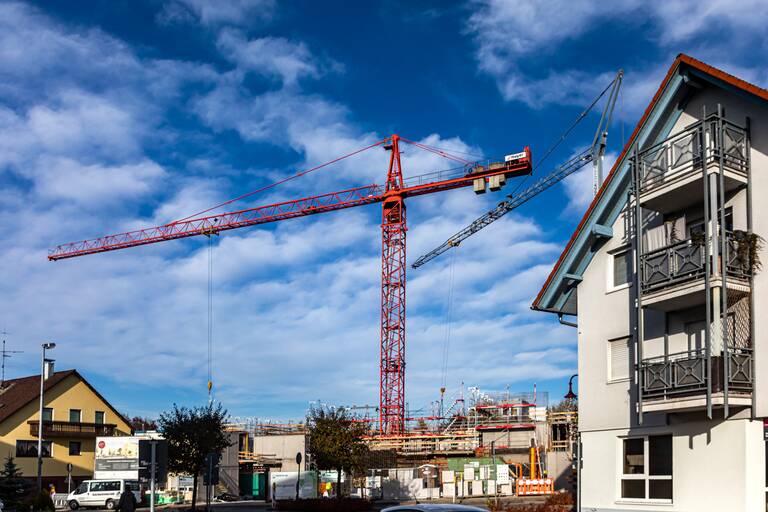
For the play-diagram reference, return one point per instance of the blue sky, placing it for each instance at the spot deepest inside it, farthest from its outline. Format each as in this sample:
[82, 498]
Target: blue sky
[116, 115]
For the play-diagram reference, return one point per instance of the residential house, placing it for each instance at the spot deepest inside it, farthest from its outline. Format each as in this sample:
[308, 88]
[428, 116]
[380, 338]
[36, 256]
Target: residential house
[662, 276]
[74, 414]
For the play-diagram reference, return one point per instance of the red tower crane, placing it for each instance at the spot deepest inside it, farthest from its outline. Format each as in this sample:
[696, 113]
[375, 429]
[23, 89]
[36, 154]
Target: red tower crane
[393, 234]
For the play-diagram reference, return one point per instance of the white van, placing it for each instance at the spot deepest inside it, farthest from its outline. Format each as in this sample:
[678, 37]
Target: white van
[102, 493]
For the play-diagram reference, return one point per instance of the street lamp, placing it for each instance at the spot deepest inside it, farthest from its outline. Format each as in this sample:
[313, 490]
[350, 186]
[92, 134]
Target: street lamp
[571, 395]
[45, 346]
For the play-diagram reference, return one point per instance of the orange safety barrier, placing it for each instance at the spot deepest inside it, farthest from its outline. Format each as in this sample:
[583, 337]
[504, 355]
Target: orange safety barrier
[535, 487]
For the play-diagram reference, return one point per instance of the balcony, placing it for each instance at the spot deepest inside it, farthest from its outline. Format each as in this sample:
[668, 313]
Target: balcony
[679, 381]
[671, 172]
[672, 277]
[71, 430]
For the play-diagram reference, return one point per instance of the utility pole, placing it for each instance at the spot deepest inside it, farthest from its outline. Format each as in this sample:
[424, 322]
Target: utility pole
[152, 469]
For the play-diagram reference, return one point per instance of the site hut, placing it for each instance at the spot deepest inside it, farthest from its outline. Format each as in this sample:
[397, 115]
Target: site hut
[74, 414]
[661, 273]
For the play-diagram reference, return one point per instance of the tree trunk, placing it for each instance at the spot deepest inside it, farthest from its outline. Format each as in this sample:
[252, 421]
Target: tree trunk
[194, 492]
[338, 484]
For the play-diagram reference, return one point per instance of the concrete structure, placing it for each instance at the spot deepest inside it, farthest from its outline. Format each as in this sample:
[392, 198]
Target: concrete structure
[673, 360]
[74, 415]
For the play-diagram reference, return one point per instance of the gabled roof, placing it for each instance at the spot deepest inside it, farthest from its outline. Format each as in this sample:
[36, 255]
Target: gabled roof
[556, 291]
[17, 393]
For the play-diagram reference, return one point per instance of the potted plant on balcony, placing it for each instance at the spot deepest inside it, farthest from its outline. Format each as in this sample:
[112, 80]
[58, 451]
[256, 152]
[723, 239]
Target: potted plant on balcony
[748, 247]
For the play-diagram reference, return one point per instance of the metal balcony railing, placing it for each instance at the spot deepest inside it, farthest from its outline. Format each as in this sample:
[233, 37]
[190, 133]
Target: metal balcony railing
[686, 373]
[700, 143]
[67, 429]
[685, 261]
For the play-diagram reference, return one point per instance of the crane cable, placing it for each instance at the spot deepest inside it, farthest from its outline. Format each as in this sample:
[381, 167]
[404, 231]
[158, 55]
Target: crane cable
[448, 324]
[210, 318]
[284, 180]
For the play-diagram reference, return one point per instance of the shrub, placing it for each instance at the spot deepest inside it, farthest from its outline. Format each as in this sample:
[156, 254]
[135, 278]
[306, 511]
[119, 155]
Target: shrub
[41, 502]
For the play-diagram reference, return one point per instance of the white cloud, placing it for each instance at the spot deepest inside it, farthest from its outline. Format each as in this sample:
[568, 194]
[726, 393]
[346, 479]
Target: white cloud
[214, 13]
[513, 37]
[274, 57]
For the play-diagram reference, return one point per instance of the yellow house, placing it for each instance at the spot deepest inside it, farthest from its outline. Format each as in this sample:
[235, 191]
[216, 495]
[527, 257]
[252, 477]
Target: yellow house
[74, 414]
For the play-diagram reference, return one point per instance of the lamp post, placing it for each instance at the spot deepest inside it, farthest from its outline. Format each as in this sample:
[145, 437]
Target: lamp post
[571, 395]
[45, 346]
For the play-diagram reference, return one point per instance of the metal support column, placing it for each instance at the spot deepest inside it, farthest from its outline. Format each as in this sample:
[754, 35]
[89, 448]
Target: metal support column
[707, 263]
[720, 147]
[751, 277]
[638, 295]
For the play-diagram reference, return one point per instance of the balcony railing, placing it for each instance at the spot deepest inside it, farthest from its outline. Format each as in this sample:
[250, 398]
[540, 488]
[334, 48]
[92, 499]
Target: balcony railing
[685, 261]
[699, 143]
[67, 429]
[686, 373]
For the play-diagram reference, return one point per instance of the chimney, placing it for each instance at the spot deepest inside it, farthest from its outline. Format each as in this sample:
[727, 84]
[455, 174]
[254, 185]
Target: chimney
[48, 369]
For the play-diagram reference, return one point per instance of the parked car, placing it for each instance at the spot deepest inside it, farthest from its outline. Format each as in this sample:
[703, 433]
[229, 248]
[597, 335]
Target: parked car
[101, 493]
[225, 496]
[434, 507]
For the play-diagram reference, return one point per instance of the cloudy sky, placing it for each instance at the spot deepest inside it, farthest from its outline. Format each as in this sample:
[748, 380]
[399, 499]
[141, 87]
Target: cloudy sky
[121, 114]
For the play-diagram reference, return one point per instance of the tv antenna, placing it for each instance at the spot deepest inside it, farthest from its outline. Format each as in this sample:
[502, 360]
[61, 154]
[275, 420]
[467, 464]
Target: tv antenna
[5, 354]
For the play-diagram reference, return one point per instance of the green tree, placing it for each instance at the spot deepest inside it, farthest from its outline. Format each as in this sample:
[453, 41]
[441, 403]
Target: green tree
[193, 433]
[13, 487]
[336, 442]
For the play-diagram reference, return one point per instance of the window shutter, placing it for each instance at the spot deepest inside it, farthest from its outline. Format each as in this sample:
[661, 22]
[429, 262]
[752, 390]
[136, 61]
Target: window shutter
[618, 351]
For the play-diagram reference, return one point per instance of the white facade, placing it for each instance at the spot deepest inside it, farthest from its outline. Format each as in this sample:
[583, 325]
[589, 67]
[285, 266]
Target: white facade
[673, 457]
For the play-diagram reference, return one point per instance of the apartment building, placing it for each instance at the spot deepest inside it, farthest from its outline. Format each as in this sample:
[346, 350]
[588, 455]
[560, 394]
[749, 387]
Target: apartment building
[663, 277]
[74, 414]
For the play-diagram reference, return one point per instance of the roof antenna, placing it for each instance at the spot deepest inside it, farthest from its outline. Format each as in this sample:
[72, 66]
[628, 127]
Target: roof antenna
[5, 354]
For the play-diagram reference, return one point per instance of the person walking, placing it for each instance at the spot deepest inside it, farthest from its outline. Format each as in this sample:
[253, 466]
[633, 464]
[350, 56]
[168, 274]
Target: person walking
[127, 501]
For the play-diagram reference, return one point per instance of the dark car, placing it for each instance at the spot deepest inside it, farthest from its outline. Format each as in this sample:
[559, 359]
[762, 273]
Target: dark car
[434, 507]
[225, 496]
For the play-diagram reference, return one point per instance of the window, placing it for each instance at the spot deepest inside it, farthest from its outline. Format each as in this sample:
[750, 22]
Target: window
[74, 447]
[647, 468]
[75, 415]
[618, 359]
[99, 418]
[47, 414]
[621, 269]
[29, 448]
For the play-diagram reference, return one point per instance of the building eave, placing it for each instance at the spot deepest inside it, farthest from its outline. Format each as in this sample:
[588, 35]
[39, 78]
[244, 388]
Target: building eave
[606, 205]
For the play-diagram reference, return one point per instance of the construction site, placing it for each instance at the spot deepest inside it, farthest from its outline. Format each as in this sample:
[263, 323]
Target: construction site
[473, 443]
[483, 445]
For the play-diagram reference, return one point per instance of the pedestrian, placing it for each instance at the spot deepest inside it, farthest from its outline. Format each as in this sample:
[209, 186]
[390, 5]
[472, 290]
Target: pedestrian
[127, 501]
[52, 490]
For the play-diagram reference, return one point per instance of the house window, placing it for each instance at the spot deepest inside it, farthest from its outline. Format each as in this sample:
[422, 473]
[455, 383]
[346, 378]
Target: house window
[618, 359]
[647, 468]
[29, 448]
[47, 414]
[621, 268]
[75, 447]
[75, 415]
[99, 418]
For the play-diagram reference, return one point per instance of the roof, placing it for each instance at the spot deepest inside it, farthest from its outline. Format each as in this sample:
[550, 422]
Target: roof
[16, 393]
[588, 220]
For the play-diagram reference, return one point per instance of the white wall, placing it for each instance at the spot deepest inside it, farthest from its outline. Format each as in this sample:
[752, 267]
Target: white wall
[717, 466]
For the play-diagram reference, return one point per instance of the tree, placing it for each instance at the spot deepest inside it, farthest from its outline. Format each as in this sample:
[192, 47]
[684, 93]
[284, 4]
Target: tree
[193, 433]
[13, 487]
[336, 442]
[139, 424]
